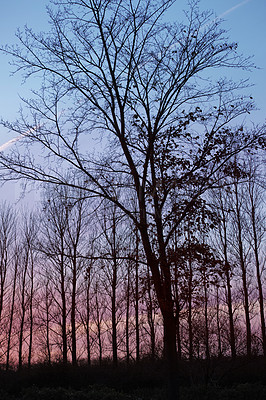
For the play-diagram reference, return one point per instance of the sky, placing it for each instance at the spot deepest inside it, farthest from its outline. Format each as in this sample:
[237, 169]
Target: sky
[245, 21]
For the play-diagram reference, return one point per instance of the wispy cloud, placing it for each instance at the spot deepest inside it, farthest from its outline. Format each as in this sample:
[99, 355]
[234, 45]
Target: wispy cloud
[229, 11]
[14, 140]
[233, 8]
[9, 143]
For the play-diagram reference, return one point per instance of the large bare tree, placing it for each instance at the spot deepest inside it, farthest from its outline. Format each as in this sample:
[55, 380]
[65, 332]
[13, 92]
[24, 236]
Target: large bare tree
[115, 72]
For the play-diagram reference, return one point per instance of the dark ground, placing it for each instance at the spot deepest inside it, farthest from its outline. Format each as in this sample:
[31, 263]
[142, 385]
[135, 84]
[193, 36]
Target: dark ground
[220, 379]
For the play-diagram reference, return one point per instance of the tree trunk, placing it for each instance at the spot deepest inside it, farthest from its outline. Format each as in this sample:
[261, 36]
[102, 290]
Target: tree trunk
[12, 312]
[137, 299]
[114, 323]
[261, 299]
[244, 273]
[127, 314]
[113, 298]
[163, 291]
[3, 272]
[47, 322]
[207, 347]
[98, 324]
[23, 312]
[31, 313]
[64, 322]
[230, 311]
[218, 322]
[73, 309]
[177, 305]
[150, 317]
[190, 330]
[228, 283]
[178, 335]
[170, 352]
[161, 276]
[88, 316]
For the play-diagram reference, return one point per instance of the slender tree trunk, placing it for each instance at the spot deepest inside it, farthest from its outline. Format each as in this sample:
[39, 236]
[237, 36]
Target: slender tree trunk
[114, 322]
[178, 334]
[73, 309]
[150, 317]
[88, 342]
[113, 299]
[258, 272]
[177, 303]
[47, 322]
[177, 315]
[190, 330]
[228, 284]
[230, 310]
[137, 299]
[244, 273]
[127, 314]
[98, 324]
[207, 347]
[3, 271]
[31, 312]
[218, 322]
[21, 331]
[88, 316]
[23, 311]
[12, 312]
[64, 318]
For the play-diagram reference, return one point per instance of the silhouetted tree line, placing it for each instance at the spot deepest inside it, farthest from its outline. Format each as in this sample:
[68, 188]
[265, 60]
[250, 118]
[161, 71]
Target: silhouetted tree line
[76, 287]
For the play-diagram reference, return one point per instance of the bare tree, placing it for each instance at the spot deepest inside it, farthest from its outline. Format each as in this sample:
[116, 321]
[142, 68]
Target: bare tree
[137, 82]
[136, 297]
[98, 317]
[26, 282]
[222, 206]
[77, 226]
[54, 248]
[217, 283]
[12, 308]
[87, 318]
[237, 204]
[112, 249]
[128, 298]
[255, 211]
[7, 236]
[32, 273]
[47, 319]
[109, 230]
[10, 258]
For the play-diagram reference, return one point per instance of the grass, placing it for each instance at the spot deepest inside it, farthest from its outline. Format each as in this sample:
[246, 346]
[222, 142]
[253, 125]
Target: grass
[222, 379]
[239, 392]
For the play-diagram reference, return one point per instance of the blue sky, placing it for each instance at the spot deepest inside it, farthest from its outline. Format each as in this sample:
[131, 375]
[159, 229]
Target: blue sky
[244, 19]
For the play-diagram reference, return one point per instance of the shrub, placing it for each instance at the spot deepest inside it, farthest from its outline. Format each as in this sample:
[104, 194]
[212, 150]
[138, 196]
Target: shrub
[91, 393]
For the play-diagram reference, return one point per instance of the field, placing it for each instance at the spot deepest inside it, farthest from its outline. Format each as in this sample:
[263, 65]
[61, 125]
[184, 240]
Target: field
[220, 379]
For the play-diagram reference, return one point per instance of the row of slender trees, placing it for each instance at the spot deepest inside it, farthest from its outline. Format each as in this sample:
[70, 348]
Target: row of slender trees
[75, 285]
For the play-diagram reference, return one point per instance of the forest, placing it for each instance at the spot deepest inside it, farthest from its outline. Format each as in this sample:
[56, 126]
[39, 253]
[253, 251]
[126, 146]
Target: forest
[148, 242]
[76, 287]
